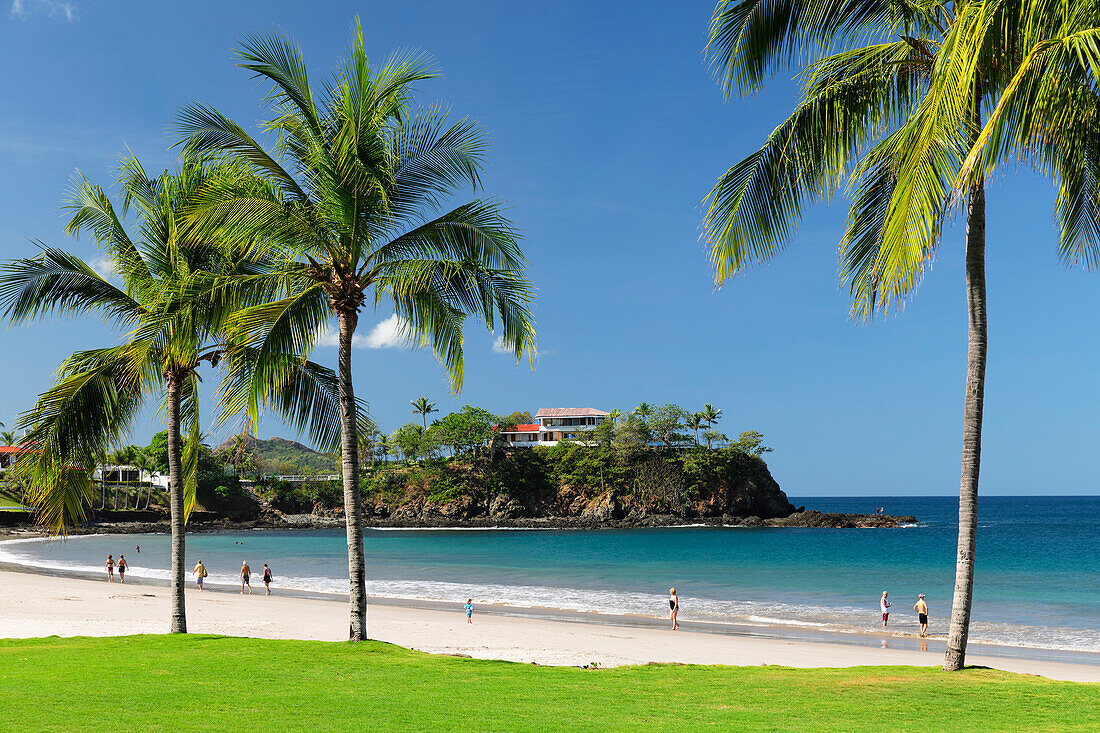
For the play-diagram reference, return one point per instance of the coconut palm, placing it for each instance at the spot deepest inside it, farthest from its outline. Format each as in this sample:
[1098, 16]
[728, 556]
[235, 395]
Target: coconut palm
[354, 209]
[711, 416]
[912, 104]
[382, 445]
[144, 463]
[8, 437]
[695, 421]
[170, 321]
[423, 406]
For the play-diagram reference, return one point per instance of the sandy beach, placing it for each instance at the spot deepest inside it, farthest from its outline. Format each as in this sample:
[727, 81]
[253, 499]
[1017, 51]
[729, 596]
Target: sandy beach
[38, 605]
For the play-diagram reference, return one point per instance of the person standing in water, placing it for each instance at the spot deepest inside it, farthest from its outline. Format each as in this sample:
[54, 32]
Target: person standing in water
[267, 578]
[246, 573]
[110, 565]
[884, 606]
[922, 614]
[137, 549]
[200, 573]
[122, 566]
[469, 610]
[673, 608]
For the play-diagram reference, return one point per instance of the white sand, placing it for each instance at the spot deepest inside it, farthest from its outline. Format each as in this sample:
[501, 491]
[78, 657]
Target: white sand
[35, 605]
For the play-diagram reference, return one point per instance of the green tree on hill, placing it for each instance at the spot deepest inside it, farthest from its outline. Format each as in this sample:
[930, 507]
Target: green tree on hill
[423, 406]
[694, 422]
[912, 105]
[711, 415]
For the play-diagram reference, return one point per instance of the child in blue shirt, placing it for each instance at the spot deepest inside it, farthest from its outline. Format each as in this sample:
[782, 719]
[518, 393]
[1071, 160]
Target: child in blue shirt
[469, 610]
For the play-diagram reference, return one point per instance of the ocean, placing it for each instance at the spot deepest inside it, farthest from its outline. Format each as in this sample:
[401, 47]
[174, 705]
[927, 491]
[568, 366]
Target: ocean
[1037, 581]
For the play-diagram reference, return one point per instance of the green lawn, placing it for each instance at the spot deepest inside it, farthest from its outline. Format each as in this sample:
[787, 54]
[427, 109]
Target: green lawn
[8, 500]
[226, 683]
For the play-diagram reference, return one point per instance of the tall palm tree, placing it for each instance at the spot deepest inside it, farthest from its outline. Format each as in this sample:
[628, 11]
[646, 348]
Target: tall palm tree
[368, 432]
[711, 416]
[170, 320]
[144, 463]
[423, 406]
[912, 104]
[695, 421]
[352, 208]
[383, 446]
[8, 437]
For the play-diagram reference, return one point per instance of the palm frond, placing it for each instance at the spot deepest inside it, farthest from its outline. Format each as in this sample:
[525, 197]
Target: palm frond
[58, 282]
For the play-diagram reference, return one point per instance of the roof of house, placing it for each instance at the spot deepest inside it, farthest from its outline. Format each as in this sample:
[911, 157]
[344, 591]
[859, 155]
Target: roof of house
[12, 449]
[571, 412]
[523, 429]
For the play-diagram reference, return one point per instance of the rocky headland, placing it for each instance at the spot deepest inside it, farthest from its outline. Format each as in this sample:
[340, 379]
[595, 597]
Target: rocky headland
[569, 487]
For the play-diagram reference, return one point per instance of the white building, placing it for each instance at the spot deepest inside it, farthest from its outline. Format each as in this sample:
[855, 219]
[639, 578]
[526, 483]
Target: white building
[554, 424]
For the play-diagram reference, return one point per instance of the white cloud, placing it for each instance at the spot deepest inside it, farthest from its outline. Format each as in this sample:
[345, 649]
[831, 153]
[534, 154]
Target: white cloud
[53, 8]
[498, 346]
[105, 268]
[391, 332]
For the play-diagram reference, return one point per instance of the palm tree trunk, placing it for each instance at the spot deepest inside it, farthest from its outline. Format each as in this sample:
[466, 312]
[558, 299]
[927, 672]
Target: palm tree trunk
[972, 428]
[175, 489]
[353, 511]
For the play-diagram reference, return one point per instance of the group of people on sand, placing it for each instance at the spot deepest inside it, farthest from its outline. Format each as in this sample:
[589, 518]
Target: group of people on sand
[200, 572]
[921, 607]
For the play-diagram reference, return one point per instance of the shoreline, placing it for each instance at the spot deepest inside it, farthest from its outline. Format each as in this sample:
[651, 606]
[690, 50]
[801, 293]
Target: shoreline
[36, 605]
[423, 624]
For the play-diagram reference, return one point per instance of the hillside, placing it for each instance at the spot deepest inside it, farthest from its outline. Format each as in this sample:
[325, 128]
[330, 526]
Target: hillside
[577, 485]
[276, 455]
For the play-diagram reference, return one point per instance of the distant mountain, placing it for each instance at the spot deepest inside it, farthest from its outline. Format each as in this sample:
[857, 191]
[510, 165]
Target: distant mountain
[280, 456]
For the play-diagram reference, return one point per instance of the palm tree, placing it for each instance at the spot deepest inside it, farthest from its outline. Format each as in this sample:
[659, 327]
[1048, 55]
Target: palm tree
[368, 431]
[170, 321]
[695, 421]
[351, 208]
[893, 102]
[382, 445]
[144, 463]
[423, 406]
[711, 416]
[8, 437]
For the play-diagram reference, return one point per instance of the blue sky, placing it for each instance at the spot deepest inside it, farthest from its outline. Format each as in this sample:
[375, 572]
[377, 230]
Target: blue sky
[607, 131]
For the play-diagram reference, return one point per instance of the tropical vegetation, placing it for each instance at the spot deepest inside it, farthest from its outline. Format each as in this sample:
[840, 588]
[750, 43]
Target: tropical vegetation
[171, 319]
[355, 205]
[910, 106]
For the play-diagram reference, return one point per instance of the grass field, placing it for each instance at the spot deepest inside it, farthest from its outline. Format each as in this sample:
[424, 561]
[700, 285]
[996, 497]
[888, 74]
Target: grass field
[8, 500]
[225, 683]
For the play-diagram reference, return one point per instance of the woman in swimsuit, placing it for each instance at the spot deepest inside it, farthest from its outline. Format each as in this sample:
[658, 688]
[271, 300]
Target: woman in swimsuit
[673, 607]
[122, 568]
[267, 578]
[110, 568]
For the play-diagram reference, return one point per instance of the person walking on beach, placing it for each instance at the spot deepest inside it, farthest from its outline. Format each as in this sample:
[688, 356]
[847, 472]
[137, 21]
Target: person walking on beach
[267, 578]
[673, 608]
[922, 614]
[469, 610]
[110, 565]
[884, 606]
[246, 573]
[122, 566]
[200, 573]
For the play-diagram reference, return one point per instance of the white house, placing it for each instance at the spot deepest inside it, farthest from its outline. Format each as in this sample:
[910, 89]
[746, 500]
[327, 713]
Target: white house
[554, 424]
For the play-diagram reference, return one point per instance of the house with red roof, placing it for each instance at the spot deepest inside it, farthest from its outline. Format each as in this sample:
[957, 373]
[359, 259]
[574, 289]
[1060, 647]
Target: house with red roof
[8, 455]
[553, 424]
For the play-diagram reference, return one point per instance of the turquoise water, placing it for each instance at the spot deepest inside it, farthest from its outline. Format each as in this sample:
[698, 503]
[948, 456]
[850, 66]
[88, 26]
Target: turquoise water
[1037, 580]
